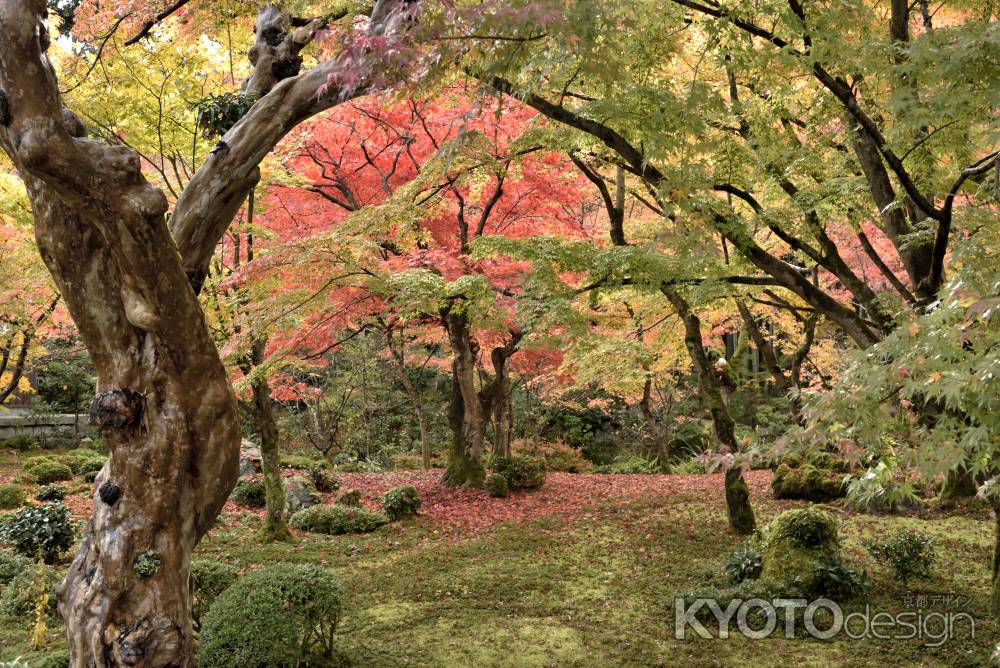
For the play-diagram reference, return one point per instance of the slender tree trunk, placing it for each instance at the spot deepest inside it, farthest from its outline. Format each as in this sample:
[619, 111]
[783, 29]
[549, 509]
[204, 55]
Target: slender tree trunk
[465, 415]
[995, 579]
[499, 398]
[741, 516]
[399, 355]
[274, 528]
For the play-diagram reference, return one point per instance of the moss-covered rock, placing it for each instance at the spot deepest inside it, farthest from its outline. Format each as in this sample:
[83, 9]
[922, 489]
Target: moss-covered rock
[816, 477]
[796, 543]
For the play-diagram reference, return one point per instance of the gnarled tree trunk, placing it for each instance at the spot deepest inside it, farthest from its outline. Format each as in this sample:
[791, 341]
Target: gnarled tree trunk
[164, 403]
[465, 414]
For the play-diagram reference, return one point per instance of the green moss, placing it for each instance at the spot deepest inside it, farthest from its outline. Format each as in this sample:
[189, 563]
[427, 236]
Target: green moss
[795, 543]
[808, 480]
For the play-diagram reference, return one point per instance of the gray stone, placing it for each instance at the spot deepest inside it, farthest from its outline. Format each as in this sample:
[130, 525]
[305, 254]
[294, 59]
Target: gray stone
[249, 458]
[299, 494]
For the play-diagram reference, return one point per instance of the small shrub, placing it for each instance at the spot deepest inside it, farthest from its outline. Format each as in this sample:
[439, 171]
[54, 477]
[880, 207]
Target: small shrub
[557, 456]
[322, 479]
[58, 659]
[401, 502]
[249, 493]
[209, 578]
[77, 459]
[497, 486]
[47, 471]
[336, 520]
[51, 493]
[910, 554]
[837, 581]
[11, 565]
[408, 461]
[350, 497]
[91, 468]
[630, 465]
[879, 491]
[282, 615]
[21, 443]
[44, 530]
[11, 496]
[18, 599]
[520, 472]
[746, 563]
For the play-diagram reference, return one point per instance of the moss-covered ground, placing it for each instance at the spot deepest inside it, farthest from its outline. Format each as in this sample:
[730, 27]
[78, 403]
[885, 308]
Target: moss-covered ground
[589, 586]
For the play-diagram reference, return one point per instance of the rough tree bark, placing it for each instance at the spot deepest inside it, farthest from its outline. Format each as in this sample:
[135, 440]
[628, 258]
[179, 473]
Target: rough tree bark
[741, 516]
[465, 414]
[497, 397]
[164, 402]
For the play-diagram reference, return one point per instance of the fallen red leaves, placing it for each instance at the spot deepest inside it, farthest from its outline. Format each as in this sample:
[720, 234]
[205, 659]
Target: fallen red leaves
[459, 512]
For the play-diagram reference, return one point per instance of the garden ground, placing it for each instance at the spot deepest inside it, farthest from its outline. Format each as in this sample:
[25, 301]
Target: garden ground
[580, 573]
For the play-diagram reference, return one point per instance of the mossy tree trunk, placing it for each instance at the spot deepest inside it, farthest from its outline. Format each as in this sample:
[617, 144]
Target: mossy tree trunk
[995, 579]
[740, 512]
[274, 528]
[465, 414]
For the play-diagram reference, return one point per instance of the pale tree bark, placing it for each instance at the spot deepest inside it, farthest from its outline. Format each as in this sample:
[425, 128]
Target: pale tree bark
[164, 403]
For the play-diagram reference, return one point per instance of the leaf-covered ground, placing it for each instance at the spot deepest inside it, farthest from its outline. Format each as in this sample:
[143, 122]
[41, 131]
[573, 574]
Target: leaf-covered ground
[580, 573]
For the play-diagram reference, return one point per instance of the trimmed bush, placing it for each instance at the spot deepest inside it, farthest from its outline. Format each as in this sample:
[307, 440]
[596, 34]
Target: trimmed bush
[401, 502]
[520, 472]
[283, 615]
[91, 468]
[11, 565]
[249, 493]
[351, 497]
[335, 520]
[77, 459]
[910, 554]
[209, 578]
[19, 599]
[51, 493]
[497, 486]
[46, 471]
[44, 530]
[21, 443]
[11, 496]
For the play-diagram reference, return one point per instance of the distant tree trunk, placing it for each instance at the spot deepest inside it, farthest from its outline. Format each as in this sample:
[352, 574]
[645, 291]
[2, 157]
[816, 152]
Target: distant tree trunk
[659, 437]
[741, 516]
[274, 528]
[995, 580]
[465, 415]
[399, 356]
[497, 397]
